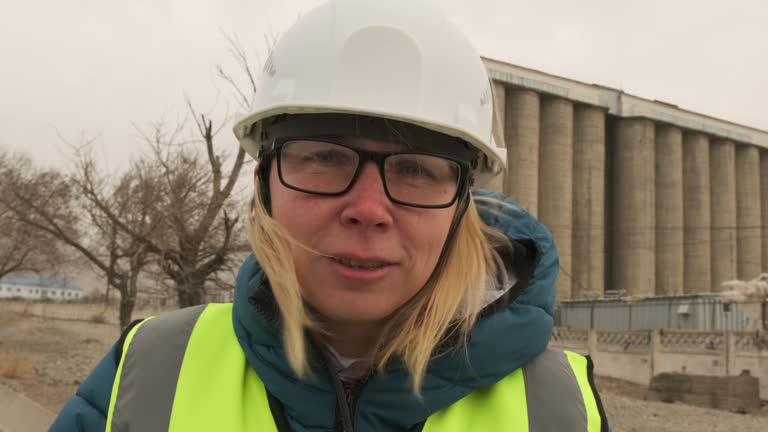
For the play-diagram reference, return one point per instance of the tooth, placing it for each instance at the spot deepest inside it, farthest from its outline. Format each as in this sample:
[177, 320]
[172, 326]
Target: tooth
[354, 264]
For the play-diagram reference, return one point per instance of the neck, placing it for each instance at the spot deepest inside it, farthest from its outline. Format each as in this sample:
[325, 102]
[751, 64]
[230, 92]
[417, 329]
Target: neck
[354, 340]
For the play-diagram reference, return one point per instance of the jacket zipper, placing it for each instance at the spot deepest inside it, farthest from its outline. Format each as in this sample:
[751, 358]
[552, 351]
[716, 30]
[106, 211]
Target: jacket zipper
[354, 392]
[345, 410]
[348, 400]
[346, 406]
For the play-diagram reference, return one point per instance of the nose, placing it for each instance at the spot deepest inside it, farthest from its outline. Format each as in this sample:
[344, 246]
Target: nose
[367, 205]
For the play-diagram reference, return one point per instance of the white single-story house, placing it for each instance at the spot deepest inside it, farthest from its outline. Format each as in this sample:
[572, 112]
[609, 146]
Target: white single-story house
[39, 288]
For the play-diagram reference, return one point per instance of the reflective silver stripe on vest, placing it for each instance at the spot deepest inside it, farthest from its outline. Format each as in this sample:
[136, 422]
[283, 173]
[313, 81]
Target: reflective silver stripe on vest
[551, 387]
[152, 364]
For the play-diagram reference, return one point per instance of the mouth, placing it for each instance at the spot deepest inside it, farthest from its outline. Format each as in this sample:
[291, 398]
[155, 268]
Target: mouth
[358, 264]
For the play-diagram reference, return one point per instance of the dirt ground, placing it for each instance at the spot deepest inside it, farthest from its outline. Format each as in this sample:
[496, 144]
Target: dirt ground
[47, 350]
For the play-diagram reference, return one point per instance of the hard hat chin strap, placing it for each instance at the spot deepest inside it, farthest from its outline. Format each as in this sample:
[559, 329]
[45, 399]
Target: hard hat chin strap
[462, 204]
[264, 168]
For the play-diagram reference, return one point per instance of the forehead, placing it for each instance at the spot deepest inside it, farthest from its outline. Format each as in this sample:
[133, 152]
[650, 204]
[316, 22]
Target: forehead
[367, 133]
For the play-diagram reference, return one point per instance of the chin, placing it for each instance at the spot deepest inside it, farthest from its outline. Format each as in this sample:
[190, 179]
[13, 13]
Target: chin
[352, 311]
[356, 315]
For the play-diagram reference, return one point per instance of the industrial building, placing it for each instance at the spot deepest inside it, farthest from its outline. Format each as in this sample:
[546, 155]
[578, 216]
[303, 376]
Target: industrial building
[642, 197]
[705, 312]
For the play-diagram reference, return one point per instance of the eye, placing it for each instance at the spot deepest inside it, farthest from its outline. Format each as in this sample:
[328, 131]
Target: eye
[414, 169]
[326, 157]
[422, 168]
[417, 170]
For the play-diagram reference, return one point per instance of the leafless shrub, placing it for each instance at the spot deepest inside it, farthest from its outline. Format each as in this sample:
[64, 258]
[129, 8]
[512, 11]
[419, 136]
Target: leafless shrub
[99, 317]
[14, 364]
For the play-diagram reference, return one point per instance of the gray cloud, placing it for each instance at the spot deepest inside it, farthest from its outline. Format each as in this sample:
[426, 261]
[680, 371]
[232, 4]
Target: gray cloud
[100, 66]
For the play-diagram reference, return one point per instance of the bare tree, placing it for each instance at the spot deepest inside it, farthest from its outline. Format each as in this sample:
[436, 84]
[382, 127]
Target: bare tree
[134, 200]
[173, 210]
[192, 226]
[202, 215]
[51, 203]
[245, 88]
[194, 209]
[22, 248]
[198, 223]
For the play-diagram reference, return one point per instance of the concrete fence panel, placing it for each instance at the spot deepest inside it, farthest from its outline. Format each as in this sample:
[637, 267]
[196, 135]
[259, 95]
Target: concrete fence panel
[638, 356]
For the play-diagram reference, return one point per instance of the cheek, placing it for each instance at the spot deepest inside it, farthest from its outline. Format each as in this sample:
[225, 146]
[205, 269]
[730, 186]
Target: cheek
[291, 209]
[305, 220]
[428, 235]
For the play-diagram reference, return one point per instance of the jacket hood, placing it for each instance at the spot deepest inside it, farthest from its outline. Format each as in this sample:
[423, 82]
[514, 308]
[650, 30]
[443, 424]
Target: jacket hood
[514, 327]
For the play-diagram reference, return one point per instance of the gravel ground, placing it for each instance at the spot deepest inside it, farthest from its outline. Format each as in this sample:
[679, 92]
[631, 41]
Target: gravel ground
[632, 415]
[628, 411]
[57, 354]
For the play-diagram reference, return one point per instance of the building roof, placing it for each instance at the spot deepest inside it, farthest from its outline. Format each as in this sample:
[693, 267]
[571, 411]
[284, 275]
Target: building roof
[40, 281]
[618, 103]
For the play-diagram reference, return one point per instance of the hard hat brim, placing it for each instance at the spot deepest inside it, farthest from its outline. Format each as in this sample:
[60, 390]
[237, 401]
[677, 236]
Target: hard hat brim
[493, 162]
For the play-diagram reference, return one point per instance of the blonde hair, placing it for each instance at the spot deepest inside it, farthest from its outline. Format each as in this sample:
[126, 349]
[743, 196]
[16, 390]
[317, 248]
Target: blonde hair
[446, 307]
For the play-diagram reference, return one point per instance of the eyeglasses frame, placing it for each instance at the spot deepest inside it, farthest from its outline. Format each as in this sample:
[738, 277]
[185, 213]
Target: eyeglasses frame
[464, 181]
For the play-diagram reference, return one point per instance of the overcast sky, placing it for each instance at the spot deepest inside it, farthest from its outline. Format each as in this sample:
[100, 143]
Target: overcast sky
[101, 66]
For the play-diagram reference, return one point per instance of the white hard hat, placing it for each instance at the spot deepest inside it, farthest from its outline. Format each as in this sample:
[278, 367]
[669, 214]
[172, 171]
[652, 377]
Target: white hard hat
[394, 59]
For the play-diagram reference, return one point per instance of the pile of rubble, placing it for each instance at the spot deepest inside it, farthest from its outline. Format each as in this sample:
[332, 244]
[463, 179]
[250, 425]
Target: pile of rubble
[737, 291]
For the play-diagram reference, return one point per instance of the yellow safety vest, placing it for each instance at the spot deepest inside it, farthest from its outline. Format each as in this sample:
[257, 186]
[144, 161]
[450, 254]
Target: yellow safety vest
[185, 371]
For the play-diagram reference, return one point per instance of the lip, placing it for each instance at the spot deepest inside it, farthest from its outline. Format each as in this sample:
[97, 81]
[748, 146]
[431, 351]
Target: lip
[366, 259]
[362, 275]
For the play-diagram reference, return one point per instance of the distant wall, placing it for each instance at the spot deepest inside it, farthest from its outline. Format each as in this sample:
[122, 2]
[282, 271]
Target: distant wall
[733, 393]
[638, 356]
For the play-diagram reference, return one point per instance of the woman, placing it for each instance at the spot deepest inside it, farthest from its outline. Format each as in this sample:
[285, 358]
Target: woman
[385, 293]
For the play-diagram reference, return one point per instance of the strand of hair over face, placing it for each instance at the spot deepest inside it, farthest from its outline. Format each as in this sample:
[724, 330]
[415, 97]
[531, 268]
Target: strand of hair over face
[272, 246]
[451, 303]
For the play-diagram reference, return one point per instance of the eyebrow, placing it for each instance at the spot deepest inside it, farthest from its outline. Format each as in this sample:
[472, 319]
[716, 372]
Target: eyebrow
[389, 146]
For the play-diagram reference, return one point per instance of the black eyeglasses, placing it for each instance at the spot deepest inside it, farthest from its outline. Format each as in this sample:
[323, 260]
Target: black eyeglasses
[415, 179]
